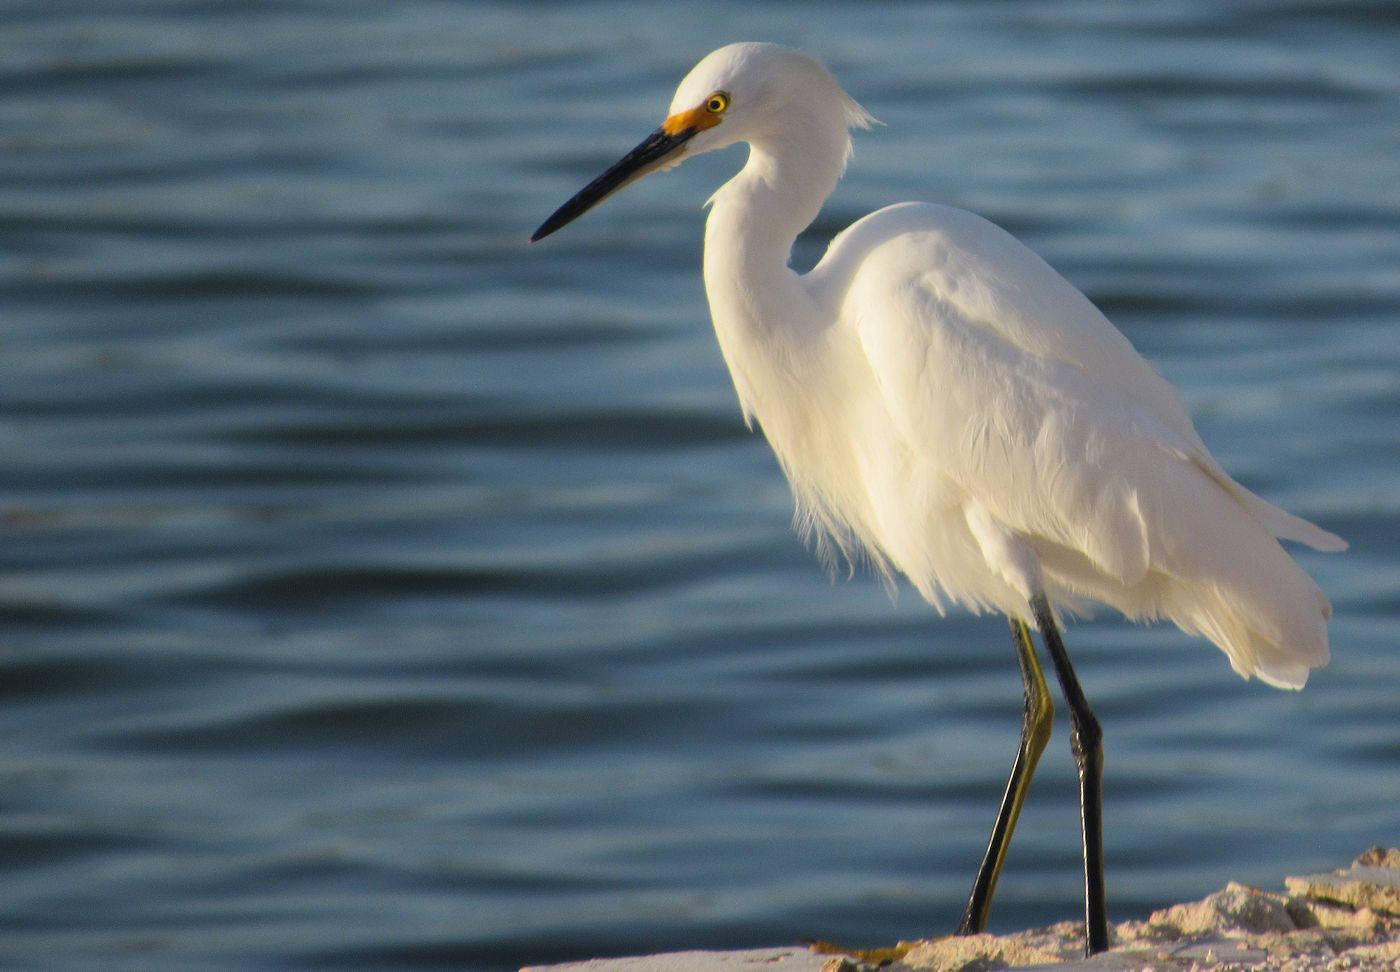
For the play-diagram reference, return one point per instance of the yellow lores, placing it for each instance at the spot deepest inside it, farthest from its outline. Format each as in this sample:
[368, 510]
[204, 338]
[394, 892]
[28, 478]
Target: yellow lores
[698, 119]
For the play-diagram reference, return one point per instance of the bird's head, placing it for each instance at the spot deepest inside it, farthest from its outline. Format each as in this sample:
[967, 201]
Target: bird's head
[739, 93]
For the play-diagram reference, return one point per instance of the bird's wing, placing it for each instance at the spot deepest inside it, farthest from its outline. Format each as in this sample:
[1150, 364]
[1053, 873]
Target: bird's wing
[1010, 382]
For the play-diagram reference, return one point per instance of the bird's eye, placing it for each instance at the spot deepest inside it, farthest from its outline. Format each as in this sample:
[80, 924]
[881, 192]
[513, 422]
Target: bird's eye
[717, 102]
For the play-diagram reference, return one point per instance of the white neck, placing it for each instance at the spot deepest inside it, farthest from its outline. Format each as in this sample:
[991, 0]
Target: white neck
[756, 300]
[777, 337]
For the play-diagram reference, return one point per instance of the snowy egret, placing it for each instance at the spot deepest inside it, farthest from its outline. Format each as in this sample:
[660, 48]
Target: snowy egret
[947, 407]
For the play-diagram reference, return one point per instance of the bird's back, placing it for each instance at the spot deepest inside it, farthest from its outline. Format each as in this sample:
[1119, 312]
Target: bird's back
[1007, 397]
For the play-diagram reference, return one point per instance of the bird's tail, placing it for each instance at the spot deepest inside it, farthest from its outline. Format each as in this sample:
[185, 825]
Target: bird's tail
[1237, 586]
[1279, 638]
[1280, 523]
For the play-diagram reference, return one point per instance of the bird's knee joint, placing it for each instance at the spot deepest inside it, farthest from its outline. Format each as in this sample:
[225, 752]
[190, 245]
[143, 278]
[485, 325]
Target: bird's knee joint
[1038, 718]
[1086, 737]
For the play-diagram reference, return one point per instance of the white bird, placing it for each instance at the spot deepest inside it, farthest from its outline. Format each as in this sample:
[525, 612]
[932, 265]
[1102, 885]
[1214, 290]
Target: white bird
[948, 407]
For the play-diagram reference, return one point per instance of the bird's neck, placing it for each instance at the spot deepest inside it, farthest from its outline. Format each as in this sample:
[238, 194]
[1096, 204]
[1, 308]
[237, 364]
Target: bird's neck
[760, 307]
[777, 336]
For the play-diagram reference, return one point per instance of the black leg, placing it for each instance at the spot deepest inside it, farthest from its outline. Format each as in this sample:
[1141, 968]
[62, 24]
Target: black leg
[1086, 740]
[1036, 721]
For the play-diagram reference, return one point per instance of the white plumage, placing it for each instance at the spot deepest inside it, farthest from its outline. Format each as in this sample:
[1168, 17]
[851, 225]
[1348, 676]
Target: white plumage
[948, 407]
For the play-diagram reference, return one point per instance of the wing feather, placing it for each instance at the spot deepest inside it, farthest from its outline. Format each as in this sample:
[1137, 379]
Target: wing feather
[1011, 383]
[1016, 400]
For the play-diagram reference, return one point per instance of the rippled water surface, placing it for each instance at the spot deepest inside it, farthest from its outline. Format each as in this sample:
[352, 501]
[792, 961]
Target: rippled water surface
[379, 591]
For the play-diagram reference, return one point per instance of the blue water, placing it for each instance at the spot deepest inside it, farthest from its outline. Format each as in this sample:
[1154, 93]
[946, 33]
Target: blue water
[379, 591]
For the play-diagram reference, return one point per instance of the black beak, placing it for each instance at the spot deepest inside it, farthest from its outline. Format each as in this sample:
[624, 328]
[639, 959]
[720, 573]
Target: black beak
[655, 151]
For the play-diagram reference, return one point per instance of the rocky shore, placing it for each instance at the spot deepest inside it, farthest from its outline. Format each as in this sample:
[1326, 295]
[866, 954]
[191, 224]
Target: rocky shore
[1345, 921]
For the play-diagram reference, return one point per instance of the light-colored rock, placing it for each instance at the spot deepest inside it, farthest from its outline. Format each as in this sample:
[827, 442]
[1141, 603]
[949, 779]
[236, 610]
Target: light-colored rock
[1378, 857]
[1363, 885]
[974, 953]
[1386, 952]
[1236, 909]
[794, 959]
[1217, 951]
[1347, 921]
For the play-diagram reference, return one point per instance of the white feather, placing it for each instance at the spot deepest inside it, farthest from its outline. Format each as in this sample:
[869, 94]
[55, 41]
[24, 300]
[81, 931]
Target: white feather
[947, 406]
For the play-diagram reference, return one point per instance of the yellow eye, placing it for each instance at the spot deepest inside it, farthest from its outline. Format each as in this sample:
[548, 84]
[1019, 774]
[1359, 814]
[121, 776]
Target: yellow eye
[717, 102]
